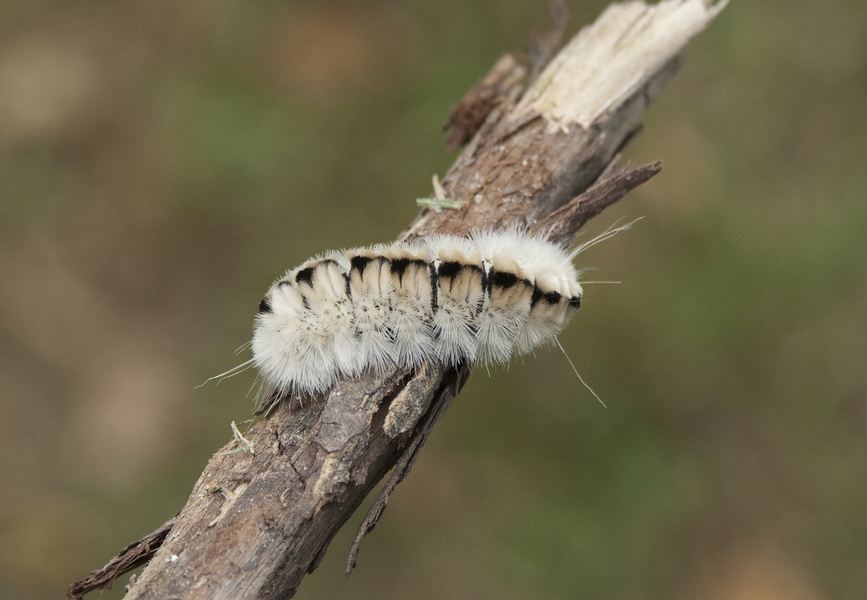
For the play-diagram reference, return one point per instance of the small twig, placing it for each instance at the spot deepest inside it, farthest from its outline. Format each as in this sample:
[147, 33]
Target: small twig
[134, 555]
[544, 46]
[458, 377]
[559, 224]
[492, 91]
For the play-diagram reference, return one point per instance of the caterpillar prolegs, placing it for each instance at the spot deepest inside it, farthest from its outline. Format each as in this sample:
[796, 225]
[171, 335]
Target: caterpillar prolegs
[479, 300]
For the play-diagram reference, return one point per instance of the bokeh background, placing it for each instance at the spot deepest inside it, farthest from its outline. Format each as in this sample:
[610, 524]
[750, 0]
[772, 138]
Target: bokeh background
[162, 161]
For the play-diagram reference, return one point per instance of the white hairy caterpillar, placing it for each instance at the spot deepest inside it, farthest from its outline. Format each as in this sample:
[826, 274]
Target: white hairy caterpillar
[477, 300]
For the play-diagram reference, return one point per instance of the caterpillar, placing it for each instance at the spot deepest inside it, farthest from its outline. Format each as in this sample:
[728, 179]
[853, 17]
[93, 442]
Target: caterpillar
[478, 300]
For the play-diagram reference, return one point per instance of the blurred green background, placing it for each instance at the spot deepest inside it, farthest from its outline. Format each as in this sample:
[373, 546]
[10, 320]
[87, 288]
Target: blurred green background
[162, 161]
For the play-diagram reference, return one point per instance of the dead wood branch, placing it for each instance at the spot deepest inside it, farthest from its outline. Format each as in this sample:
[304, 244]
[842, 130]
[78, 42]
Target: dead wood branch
[535, 157]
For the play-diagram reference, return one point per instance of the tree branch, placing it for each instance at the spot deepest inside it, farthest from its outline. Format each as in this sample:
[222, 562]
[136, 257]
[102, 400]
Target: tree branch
[534, 158]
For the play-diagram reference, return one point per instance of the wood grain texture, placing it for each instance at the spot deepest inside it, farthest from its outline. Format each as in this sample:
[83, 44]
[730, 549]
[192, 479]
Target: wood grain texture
[532, 160]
